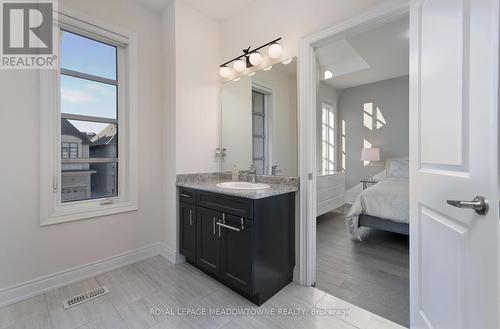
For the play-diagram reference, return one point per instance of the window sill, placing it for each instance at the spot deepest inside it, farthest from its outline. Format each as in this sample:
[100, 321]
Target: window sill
[66, 216]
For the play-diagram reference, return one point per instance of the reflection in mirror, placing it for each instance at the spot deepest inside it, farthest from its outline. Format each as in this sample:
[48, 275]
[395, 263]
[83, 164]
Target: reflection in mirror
[259, 122]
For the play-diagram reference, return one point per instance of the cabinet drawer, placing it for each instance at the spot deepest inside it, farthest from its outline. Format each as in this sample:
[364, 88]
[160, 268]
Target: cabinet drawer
[187, 195]
[240, 207]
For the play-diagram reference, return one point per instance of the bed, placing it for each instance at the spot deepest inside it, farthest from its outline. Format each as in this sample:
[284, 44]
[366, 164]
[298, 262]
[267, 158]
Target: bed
[385, 205]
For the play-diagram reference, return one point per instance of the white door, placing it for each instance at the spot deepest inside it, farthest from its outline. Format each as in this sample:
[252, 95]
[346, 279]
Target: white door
[454, 156]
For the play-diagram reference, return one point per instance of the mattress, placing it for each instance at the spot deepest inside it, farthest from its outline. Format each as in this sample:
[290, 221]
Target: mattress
[388, 199]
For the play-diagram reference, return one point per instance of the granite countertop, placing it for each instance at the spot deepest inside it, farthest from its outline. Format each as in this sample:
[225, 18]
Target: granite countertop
[208, 182]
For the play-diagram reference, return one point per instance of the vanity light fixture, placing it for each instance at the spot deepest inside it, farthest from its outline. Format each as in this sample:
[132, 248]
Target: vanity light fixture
[255, 58]
[225, 72]
[251, 57]
[239, 66]
[275, 51]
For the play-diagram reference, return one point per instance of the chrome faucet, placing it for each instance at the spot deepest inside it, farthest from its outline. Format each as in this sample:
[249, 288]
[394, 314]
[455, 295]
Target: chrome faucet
[253, 173]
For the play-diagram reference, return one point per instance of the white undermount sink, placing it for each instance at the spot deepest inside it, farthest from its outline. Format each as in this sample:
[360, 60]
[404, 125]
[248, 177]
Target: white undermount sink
[243, 186]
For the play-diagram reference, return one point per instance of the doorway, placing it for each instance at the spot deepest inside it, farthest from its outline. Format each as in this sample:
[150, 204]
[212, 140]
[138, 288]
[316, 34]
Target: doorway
[362, 266]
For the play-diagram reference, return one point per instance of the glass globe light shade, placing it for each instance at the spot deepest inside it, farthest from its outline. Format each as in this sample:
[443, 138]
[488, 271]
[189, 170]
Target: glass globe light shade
[275, 50]
[255, 59]
[225, 72]
[239, 65]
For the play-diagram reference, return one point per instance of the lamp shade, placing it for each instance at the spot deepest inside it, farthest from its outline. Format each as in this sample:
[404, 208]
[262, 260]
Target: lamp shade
[370, 154]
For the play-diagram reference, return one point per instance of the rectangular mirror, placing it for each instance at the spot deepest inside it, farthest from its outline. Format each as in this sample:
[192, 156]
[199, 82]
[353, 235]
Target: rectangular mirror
[259, 121]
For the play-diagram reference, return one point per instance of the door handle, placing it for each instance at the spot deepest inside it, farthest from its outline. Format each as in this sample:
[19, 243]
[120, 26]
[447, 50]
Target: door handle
[190, 218]
[213, 221]
[479, 205]
[228, 227]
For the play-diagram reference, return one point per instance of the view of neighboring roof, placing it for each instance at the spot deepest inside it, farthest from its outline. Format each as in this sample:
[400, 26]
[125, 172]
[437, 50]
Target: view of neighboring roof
[68, 129]
[104, 137]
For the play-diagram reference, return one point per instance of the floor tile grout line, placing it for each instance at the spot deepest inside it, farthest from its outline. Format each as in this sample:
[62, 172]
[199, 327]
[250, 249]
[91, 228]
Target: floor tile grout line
[115, 308]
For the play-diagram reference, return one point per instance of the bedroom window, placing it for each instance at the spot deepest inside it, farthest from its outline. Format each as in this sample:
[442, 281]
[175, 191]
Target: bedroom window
[328, 138]
[88, 135]
[89, 114]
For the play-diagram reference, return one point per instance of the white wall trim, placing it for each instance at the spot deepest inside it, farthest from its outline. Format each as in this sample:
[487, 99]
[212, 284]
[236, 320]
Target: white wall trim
[308, 80]
[19, 292]
[171, 255]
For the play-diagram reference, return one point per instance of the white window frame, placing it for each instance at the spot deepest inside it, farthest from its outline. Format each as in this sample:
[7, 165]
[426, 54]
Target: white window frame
[331, 157]
[52, 210]
[268, 93]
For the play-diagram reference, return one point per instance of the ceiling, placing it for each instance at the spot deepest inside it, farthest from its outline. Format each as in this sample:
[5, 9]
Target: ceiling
[378, 54]
[219, 10]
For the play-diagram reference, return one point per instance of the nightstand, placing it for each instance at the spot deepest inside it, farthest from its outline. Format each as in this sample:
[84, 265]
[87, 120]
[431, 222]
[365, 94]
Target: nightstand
[367, 182]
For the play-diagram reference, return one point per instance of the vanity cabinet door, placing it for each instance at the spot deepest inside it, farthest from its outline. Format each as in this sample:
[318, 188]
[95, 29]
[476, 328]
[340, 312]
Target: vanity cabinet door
[208, 246]
[188, 231]
[236, 253]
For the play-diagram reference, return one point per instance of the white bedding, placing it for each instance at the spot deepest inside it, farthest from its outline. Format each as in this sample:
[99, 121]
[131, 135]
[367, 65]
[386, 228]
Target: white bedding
[387, 199]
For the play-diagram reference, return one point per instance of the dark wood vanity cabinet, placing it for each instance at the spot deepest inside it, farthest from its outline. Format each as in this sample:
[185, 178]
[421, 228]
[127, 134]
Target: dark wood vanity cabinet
[207, 241]
[247, 244]
[188, 229]
[236, 253]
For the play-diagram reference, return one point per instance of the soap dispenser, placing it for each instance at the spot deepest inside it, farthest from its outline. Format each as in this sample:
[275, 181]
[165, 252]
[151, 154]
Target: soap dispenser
[235, 174]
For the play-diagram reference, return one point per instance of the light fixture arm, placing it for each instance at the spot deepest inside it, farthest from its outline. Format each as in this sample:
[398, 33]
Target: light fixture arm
[248, 51]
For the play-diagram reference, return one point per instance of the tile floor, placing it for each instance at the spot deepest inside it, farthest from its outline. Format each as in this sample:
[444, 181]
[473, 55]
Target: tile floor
[155, 284]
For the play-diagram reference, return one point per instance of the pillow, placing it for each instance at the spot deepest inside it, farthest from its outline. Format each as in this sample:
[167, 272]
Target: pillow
[399, 168]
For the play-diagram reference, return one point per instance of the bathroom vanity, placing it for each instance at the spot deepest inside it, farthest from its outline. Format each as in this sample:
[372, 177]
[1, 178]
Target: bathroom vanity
[243, 238]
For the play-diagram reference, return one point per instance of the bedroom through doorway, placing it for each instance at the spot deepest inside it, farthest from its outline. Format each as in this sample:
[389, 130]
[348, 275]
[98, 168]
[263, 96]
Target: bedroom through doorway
[362, 148]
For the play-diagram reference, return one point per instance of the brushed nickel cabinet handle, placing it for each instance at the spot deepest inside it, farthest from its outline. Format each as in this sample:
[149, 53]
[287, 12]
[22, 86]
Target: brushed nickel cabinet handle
[229, 227]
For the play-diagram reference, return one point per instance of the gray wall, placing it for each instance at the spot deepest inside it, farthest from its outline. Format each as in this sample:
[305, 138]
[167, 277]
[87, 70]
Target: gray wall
[391, 98]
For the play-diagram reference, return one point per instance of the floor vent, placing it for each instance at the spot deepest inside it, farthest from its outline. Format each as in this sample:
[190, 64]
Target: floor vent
[85, 297]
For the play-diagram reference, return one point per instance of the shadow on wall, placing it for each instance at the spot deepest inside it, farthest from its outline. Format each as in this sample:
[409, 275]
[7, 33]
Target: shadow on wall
[373, 115]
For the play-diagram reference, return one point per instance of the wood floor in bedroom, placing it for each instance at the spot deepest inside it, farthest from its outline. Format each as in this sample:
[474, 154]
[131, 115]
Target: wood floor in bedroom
[372, 274]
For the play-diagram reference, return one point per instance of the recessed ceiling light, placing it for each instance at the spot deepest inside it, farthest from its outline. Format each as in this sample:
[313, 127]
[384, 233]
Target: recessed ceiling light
[328, 75]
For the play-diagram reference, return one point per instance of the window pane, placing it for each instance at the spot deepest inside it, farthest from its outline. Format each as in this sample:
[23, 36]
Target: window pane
[87, 56]
[88, 140]
[259, 166]
[258, 102]
[258, 125]
[258, 148]
[89, 181]
[85, 97]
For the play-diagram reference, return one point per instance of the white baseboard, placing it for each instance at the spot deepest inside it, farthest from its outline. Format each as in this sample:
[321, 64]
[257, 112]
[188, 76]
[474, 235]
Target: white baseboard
[171, 255]
[19, 292]
[296, 274]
